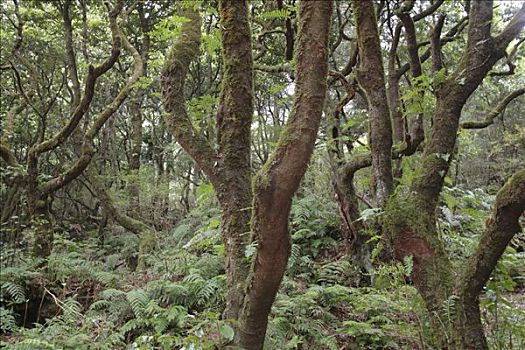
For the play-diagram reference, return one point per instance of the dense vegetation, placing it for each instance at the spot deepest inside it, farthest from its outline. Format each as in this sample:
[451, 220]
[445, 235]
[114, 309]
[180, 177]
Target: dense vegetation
[272, 174]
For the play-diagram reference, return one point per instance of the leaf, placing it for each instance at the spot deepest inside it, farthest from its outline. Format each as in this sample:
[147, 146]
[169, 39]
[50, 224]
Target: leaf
[211, 42]
[369, 213]
[226, 331]
[440, 76]
[408, 264]
[250, 249]
[275, 14]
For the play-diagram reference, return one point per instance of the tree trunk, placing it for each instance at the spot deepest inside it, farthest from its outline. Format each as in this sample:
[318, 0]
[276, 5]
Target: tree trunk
[229, 169]
[41, 220]
[277, 181]
[359, 249]
[410, 215]
[136, 122]
[234, 120]
[371, 77]
[134, 159]
[501, 227]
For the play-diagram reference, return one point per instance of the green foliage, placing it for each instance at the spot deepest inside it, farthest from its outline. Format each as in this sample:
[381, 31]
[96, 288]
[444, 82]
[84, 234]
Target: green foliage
[314, 226]
[419, 102]
[7, 320]
[178, 301]
[275, 14]
[168, 28]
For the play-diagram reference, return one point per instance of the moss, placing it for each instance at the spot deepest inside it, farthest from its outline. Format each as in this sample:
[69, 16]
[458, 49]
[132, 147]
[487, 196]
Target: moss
[512, 190]
[148, 243]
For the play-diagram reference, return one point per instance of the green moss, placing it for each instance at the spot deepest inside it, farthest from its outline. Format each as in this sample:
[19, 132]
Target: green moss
[512, 189]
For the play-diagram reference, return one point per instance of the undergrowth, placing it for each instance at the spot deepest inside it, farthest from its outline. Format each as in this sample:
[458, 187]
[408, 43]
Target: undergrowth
[89, 296]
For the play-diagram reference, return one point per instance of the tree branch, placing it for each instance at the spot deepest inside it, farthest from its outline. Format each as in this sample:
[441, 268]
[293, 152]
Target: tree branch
[89, 91]
[87, 147]
[173, 76]
[280, 68]
[428, 11]
[491, 115]
[371, 77]
[8, 156]
[512, 29]
[71, 60]
[435, 44]
[500, 228]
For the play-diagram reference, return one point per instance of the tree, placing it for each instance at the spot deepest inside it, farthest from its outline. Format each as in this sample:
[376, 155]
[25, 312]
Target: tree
[279, 178]
[410, 214]
[39, 192]
[228, 168]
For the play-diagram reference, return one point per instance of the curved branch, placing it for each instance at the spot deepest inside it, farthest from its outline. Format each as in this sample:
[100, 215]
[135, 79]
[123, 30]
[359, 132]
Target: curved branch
[435, 44]
[89, 91]
[280, 68]
[500, 229]
[87, 148]
[364, 161]
[489, 118]
[512, 29]
[510, 64]
[129, 223]
[8, 156]
[173, 76]
[448, 37]
[410, 33]
[9, 123]
[428, 11]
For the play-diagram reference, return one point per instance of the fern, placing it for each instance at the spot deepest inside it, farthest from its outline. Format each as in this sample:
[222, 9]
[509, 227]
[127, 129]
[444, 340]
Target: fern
[329, 343]
[7, 320]
[276, 14]
[100, 305]
[112, 293]
[16, 291]
[331, 273]
[72, 310]
[138, 301]
[134, 325]
[33, 344]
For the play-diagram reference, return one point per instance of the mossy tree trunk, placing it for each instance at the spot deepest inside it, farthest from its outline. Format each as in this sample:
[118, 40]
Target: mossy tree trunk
[136, 121]
[279, 178]
[352, 228]
[500, 229]
[228, 168]
[234, 120]
[410, 215]
[371, 77]
[38, 204]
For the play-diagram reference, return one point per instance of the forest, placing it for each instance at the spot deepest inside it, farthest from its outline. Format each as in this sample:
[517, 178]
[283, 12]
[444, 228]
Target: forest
[262, 174]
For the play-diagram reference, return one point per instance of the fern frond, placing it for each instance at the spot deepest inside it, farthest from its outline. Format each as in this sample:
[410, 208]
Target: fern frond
[15, 290]
[7, 320]
[138, 300]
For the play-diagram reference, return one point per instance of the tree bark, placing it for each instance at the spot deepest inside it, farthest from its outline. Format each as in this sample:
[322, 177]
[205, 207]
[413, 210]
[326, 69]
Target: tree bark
[136, 122]
[279, 178]
[234, 120]
[229, 169]
[410, 215]
[501, 227]
[371, 77]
